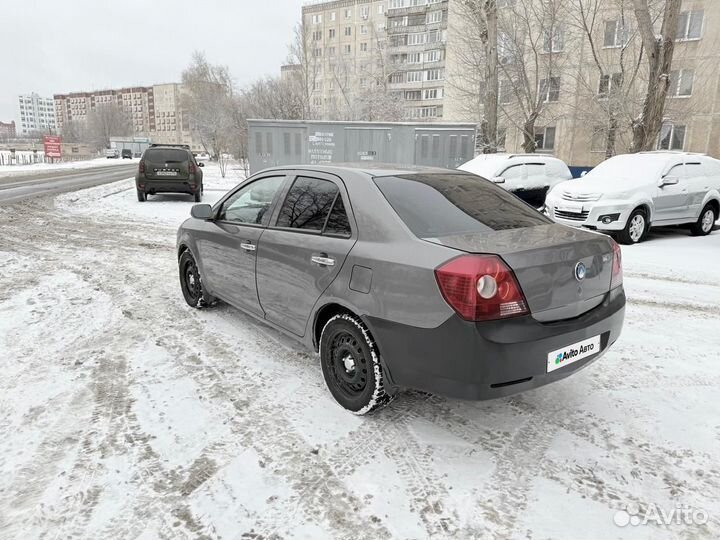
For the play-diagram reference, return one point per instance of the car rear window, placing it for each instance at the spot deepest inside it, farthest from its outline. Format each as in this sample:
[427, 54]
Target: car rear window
[436, 205]
[166, 155]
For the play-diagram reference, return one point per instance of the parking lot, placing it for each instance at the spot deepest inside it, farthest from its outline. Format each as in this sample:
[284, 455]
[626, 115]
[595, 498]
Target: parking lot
[125, 413]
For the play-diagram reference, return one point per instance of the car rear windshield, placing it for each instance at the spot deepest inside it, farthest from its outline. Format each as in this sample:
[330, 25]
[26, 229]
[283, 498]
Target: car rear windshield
[168, 155]
[436, 205]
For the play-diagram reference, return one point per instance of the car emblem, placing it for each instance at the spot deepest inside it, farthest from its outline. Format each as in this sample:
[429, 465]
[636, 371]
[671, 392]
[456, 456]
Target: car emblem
[580, 271]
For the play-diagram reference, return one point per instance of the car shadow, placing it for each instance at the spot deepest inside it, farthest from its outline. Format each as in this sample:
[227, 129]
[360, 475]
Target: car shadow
[171, 197]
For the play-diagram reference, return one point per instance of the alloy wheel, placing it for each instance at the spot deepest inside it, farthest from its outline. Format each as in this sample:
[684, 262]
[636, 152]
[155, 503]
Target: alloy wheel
[707, 220]
[637, 227]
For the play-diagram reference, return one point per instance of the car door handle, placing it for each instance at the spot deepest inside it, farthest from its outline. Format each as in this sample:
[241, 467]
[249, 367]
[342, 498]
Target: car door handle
[323, 261]
[247, 246]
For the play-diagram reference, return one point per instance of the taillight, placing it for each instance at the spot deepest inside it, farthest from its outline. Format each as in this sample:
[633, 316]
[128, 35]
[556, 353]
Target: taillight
[481, 288]
[191, 168]
[617, 274]
[141, 167]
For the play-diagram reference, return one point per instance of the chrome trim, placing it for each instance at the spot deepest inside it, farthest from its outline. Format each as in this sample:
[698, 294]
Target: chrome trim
[247, 246]
[323, 261]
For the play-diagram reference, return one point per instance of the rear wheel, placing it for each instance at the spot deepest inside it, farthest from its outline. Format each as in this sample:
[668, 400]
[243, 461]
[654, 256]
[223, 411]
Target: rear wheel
[198, 195]
[141, 195]
[191, 283]
[635, 228]
[705, 222]
[351, 365]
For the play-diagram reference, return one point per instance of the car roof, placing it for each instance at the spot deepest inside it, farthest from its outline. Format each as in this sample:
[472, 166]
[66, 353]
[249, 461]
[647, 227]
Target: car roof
[371, 170]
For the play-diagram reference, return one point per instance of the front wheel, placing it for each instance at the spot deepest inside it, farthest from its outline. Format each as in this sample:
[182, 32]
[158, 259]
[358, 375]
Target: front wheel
[705, 222]
[351, 365]
[191, 283]
[635, 228]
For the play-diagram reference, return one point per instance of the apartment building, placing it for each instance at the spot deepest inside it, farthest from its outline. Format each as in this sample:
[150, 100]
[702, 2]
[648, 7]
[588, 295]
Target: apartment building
[153, 111]
[345, 48]
[35, 114]
[7, 130]
[417, 39]
[591, 88]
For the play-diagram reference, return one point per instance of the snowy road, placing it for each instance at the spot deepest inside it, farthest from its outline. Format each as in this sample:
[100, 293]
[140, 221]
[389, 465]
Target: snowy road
[31, 183]
[126, 414]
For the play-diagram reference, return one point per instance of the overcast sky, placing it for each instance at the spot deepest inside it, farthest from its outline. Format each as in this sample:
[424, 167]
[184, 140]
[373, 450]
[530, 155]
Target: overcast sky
[55, 46]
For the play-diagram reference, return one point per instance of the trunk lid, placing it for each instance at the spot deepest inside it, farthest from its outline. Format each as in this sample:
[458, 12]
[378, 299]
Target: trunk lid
[545, 259]
[166, 164]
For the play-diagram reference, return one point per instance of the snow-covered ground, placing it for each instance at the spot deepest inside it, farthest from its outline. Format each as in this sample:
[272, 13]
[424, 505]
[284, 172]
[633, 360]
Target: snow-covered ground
[126, 414]
[15, 170]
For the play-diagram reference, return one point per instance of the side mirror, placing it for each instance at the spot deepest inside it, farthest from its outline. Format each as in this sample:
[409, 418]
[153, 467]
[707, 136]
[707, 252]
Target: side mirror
[669, 181]
[201, 164]
[583, 174]
[201, 211]
[498, 180]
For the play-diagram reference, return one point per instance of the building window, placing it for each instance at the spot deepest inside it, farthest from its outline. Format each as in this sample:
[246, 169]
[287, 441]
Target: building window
[554, 40]
[598, 143]
[414, 76]
[317, 52]
[609, 84]
[545, 138]
[413, 95]
[505, 48]
[364, 29]
[417, 38]
[331, 33]
[348, 13]
[381, 9]
[550, 89]
[616, 34]
[505, 3]
[348, 30]
[364, 12]
[434, 75]
[433, 93]
[347, 49]
[434, 17]
[414, 58]
[317, 36]
[317, 19]
[433, 56]
[331, 51]
[672, 137]
[363, 46]
[690, 25]
[681, 83]
[332, 16]
[397, 78]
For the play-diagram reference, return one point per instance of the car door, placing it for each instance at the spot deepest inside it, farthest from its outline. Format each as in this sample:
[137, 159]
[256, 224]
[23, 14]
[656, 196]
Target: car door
[671, 200]
[228, 251]
[698, 185]
[303, 249]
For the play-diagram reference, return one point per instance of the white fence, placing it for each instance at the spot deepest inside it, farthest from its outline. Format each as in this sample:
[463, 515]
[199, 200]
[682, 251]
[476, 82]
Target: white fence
[22, 157]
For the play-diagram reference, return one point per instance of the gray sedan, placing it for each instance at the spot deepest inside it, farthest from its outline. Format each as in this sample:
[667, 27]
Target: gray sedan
[426, 279]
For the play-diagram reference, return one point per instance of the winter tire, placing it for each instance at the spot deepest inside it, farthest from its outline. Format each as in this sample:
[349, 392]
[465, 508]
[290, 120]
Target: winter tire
[191, 282]
[198, 195]
[705, 222]
[351, 365]
[635, 229]
[142, 196]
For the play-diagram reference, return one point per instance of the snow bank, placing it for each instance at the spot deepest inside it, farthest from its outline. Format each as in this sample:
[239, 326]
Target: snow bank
[14, 170]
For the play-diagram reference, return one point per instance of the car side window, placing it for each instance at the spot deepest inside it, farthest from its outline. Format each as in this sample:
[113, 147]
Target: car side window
[678, 171]
[514, 172]
[308, 204]
[693, 169]
[338, 222]
[535, 169]
[251, 203]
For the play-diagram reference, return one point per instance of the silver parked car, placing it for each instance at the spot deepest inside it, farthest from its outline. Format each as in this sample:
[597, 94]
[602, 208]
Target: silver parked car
[427, 279]
[528, 176]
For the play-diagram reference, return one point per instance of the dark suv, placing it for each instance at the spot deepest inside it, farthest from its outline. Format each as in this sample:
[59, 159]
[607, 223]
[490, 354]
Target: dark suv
[169, 168]
[126, 153]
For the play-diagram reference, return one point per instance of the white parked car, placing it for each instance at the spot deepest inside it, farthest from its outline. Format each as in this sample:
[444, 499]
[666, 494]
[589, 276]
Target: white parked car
[628, 194]
[528, 176]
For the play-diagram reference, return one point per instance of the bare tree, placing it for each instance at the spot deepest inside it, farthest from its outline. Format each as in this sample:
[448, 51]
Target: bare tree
[208, 98]
[529, 32]
[659, 49]
[609, 102]
[309, 69]
[106, 120]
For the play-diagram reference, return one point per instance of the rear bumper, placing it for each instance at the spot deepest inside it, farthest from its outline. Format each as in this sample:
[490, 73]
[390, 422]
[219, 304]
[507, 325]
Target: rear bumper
[479, 361]
[189, 185]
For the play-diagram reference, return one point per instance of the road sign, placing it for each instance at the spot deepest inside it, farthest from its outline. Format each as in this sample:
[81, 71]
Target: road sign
[53, 146]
